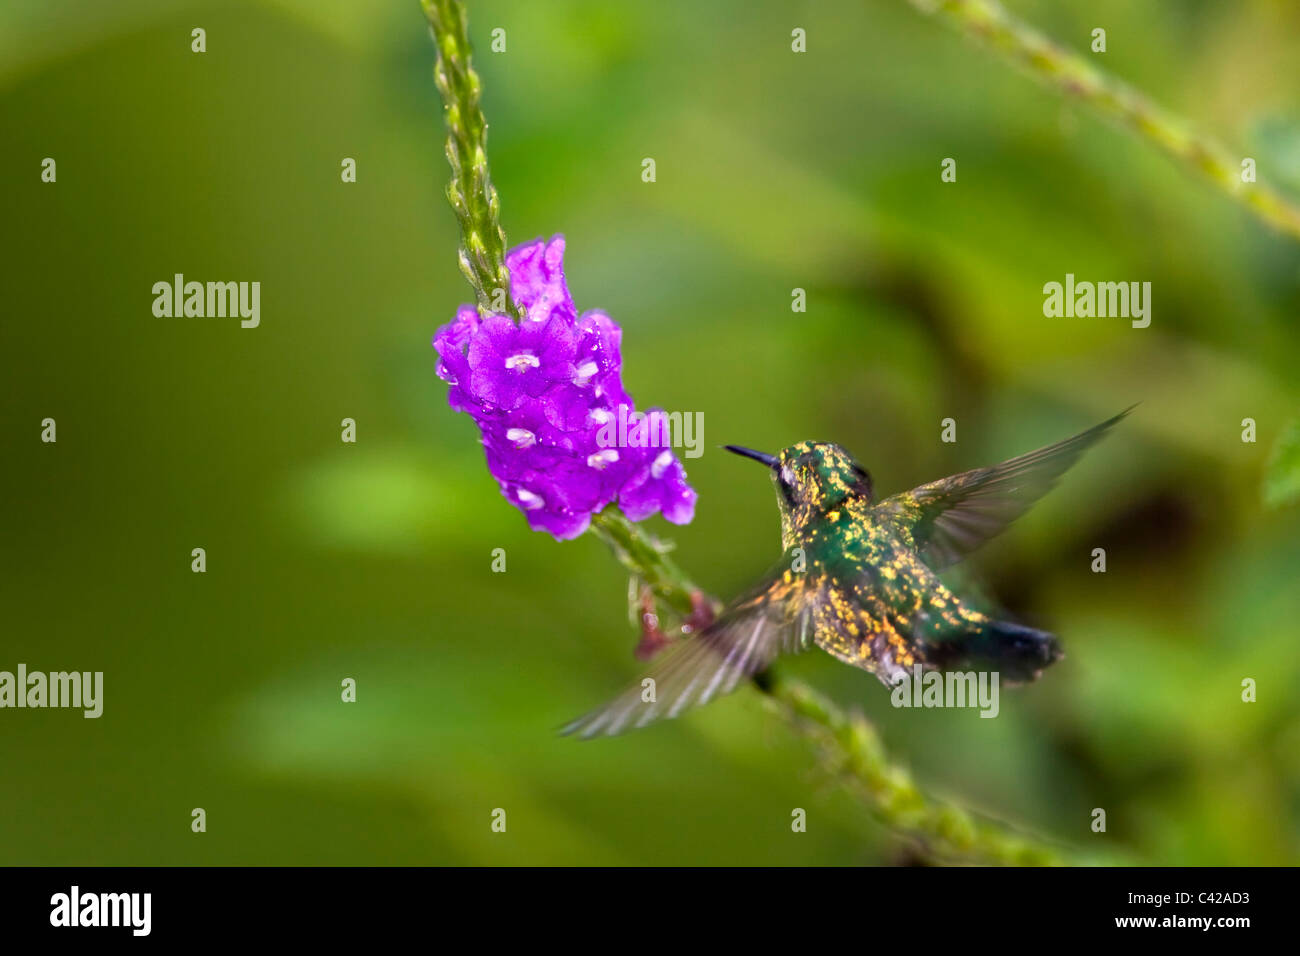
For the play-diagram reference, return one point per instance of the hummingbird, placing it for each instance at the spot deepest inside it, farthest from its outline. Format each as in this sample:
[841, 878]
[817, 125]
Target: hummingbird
[858, 578]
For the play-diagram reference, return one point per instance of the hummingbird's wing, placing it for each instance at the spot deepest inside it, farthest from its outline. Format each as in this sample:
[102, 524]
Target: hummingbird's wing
[773, 618]
[953, 516]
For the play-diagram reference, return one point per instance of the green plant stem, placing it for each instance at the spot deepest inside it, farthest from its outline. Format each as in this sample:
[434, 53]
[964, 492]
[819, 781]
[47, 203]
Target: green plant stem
[482, 253]
[1057, 67]
[855, 754]
[646, 558]
[852, 750]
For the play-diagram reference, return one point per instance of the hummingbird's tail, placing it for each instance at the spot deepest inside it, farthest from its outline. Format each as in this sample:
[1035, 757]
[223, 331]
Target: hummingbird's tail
[1016, 652]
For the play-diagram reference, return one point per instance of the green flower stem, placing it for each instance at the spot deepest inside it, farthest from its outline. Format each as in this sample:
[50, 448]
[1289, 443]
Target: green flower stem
[1057, 67]
[854, 753]
[646, 558]
[852, 749]
[482, 253]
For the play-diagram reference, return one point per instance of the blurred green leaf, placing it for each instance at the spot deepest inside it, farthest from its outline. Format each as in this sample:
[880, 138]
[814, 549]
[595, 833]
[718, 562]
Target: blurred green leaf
[1282, 478]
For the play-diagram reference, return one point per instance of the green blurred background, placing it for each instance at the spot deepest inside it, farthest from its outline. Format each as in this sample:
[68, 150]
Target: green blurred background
[372, 561]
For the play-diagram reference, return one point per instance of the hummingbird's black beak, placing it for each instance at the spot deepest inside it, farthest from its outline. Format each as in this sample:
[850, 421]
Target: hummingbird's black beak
[769, 460]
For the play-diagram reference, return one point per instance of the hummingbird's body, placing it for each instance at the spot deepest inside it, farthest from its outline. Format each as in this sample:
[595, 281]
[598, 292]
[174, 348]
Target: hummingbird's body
[879, 604]
[858, 578]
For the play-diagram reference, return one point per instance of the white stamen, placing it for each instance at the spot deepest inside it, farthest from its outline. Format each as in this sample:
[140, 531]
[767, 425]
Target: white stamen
[661, 464]
[529, 500]
[602, 458]
[522, 437]
[523, 360]
[585, 371]
[601, 415]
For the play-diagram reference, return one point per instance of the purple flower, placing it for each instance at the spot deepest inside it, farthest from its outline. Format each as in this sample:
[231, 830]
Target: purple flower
[508, 361]
[660, 486]
[521, 442]
[597, 352]
[537, 280]
[548, 397]
[453, 367]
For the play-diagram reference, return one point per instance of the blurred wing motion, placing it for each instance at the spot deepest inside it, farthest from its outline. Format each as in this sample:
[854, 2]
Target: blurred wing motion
[771, 620]
[951, 517]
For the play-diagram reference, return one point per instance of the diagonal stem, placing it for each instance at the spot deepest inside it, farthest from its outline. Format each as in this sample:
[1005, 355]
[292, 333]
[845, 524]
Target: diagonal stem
[482, 252]
[1071, 74]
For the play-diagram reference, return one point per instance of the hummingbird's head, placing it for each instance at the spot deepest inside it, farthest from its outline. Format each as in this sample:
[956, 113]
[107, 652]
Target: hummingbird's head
[812, 477]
